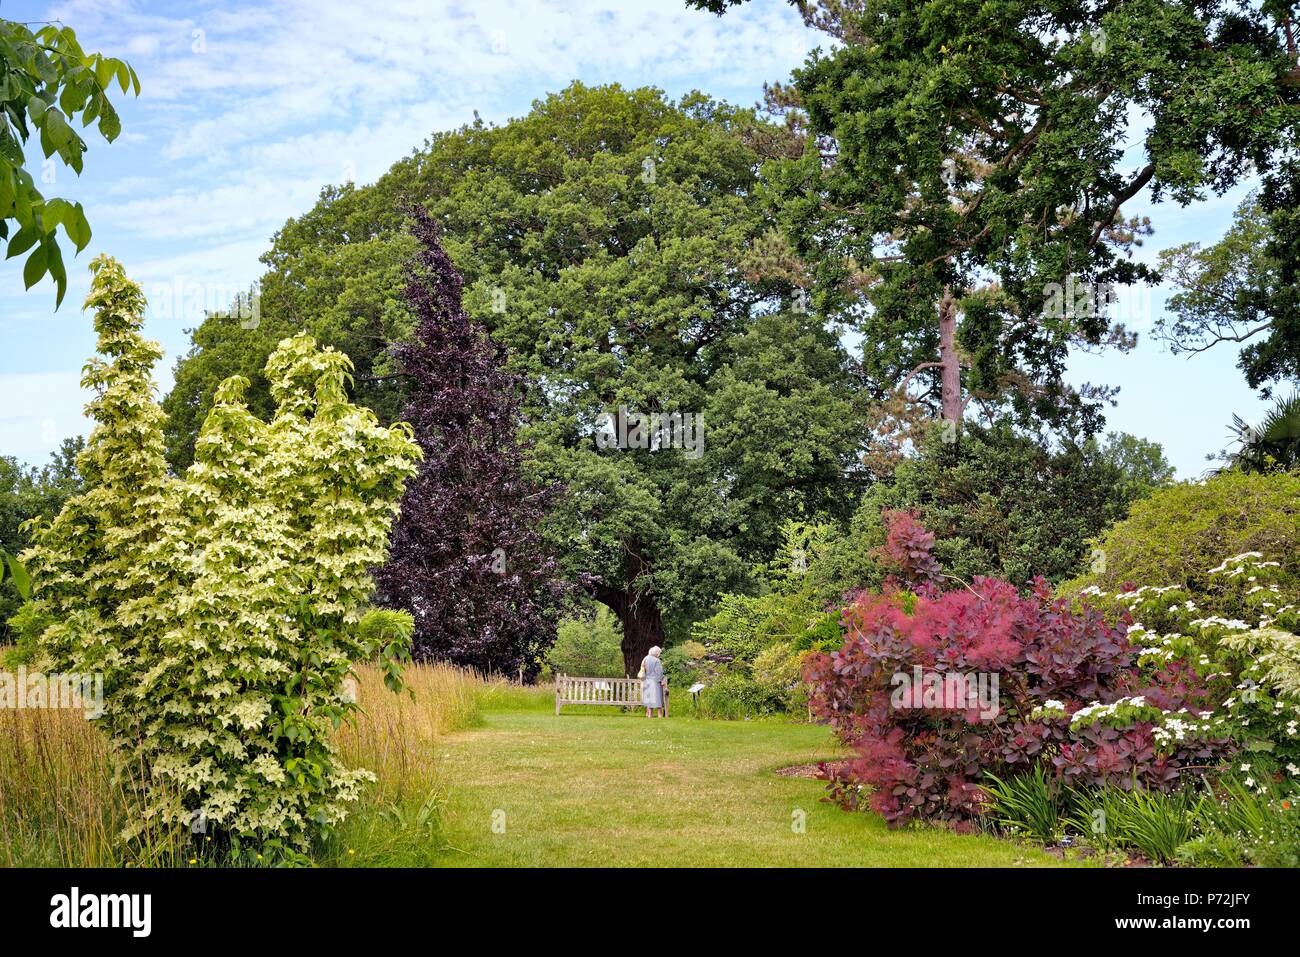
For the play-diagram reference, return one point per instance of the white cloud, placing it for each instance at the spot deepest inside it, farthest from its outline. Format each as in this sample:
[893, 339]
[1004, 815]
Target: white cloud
[292, 64]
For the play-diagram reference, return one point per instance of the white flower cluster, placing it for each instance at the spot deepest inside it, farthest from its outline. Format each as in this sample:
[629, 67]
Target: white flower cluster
[1162, 648]
[1237, 636]
[1050, 708]
[1235, 563]
[1098, 711]
[1176, 730]
[1139, 594]
[1234, 624]
[1171, 727]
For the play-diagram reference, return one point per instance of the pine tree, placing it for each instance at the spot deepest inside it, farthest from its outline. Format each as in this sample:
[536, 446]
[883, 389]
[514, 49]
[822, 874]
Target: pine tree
[468, 558]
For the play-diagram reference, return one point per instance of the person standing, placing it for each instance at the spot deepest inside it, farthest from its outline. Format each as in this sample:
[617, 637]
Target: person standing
[652, 683]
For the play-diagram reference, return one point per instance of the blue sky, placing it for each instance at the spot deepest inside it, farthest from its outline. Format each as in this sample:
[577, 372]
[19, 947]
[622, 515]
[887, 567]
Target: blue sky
[248, 109]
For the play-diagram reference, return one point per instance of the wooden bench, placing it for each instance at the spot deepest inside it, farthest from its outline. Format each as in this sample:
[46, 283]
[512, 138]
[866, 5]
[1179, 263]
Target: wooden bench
[621, 692]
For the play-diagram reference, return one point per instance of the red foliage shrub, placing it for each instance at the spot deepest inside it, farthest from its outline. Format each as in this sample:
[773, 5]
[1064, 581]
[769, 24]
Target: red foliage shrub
[1021, 651]
[907, 548]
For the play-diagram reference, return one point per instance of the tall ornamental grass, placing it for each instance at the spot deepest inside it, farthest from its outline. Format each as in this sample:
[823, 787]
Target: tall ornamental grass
[60, 804]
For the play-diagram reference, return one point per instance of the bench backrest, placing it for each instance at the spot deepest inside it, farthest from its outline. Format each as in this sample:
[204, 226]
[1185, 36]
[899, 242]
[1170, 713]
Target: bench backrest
[623, 692]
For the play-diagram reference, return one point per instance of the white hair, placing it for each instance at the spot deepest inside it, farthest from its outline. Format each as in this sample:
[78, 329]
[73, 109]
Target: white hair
[656, 651]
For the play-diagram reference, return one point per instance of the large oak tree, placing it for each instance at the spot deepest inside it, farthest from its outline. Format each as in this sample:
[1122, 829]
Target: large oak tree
[615, 242]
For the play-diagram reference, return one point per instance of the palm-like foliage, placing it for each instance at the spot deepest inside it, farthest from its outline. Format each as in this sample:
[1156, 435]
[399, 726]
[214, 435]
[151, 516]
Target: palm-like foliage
[1273, 445]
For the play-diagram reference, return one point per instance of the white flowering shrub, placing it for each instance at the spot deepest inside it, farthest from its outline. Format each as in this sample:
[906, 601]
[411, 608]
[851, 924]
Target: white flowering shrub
[1238, 637]
[222, 607]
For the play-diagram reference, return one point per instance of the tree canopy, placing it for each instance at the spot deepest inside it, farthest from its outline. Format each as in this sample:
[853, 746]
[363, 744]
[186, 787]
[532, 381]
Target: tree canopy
[29, 493]
[1240, 291]
[966, 158]
[1004, 504]
[613, 241]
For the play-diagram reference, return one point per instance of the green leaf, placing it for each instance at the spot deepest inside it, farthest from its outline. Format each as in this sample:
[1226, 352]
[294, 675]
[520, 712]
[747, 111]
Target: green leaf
[23, 240]
[35, 267]
[77, 227]
[109, 123]
[56, 211]
[54, 263]
[22, 580]
[10, 149]
[103, 71]
[63, 137]
[72, 98]
[92, 108]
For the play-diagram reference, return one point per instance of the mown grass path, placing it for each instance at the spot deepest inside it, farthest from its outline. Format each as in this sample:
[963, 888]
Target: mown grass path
[619, 790]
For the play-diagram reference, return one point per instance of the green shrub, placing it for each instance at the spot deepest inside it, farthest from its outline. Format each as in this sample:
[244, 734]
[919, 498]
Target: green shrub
[1238, 634]
[683, 664]
[778, 671]
[27, 623]
[750, 651]
[800, 565]
[389, 632]
[754, 647]
[1156, 823]
[1095, 814]
[848, 562]
[28, 494]
[588, 647]
[740, 628]
[745, 625]
[1212, 850]
[1002, 504]
[732, 696]
[1179, 533]
[1251, 816]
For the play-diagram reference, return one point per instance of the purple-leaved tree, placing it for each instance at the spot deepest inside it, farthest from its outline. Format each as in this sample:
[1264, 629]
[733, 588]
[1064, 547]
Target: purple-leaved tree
[468, 559]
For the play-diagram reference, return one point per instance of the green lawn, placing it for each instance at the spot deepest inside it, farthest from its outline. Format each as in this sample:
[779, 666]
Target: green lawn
[618, 789]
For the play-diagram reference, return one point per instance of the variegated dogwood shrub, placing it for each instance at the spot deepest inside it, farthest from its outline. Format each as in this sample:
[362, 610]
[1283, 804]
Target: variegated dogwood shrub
[1238, 634]
[222, 606]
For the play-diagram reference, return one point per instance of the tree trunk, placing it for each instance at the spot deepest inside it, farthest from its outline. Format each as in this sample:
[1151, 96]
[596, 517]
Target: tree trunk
[643, 628]
[949, 360]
